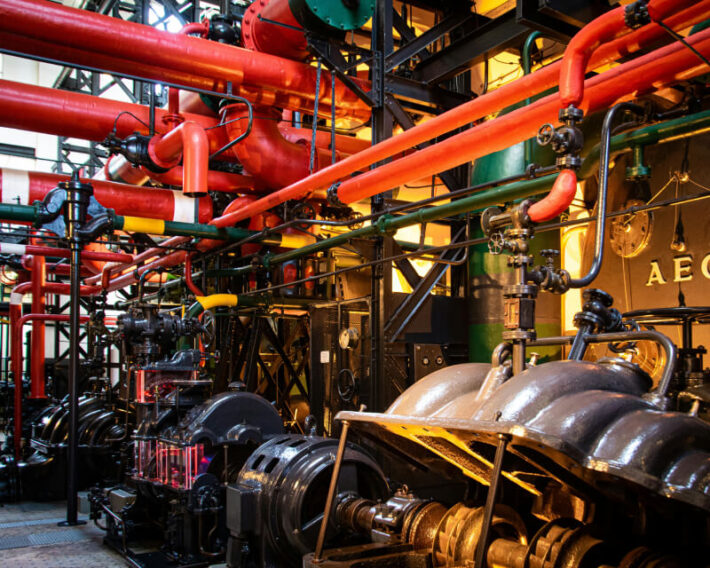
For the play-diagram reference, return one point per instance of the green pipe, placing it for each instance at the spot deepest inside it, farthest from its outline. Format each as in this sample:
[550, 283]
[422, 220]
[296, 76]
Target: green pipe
[658, 133]
[180, 229]
[388, 224]
[661, 133]
[23, 213]
[526, 57]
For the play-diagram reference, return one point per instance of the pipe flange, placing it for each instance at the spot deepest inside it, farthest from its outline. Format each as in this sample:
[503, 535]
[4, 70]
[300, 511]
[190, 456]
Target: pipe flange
[332, 195]
[636, 15]
[519, 335]
[569, 162]
[520, 291]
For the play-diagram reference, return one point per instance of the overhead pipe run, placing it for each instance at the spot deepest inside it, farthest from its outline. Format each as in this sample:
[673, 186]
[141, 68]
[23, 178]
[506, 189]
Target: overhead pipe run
[663, 66]
[609, 26]
[49, 28]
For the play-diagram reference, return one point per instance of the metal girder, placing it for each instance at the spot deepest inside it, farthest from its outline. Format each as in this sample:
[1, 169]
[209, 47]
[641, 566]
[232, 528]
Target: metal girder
[406, 122]
[405, 266]
[488, 40]
[420, 91]
[406, 311]
[418, 45]
[558, 18]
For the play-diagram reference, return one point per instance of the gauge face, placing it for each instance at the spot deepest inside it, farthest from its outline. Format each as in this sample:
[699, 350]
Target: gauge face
[348, 338]
[630, 234]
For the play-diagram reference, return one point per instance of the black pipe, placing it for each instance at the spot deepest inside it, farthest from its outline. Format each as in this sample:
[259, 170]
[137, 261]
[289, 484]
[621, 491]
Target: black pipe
[77, 203]
[603, 191]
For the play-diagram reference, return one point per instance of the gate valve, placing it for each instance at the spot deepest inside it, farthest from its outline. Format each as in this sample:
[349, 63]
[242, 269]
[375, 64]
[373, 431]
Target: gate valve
[552, 279]
[550, 255]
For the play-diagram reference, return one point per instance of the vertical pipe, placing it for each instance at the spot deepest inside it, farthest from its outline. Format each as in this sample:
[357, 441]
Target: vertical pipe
[78, 195]
[37, 379]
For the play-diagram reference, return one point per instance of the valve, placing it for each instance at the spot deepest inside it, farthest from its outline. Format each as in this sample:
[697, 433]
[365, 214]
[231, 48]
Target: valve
[550, 255]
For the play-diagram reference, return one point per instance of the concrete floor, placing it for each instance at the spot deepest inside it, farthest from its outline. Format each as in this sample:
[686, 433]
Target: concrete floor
[30, 537]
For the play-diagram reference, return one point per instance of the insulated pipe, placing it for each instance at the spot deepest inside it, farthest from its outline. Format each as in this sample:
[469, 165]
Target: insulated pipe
[255, 94]
[473, 110]
[201, 28]
[42, 251]
[265, 153]
[607, 27]
[216, 180]
[131, 42]
[260, 34]
[187, 141]
[659, 68]
[39, 281]
[344, 144]
[78, 115]
[558, 200]
[24, 188]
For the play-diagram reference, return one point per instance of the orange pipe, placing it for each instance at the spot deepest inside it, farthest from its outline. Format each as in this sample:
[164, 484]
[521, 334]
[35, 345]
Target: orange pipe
[558, 200]
[189, 141]
[607, 27]
[468, 112]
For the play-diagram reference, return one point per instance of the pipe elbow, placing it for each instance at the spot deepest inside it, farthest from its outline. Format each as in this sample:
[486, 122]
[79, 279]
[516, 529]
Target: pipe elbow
[558, 200]
[188, 141]
[579, 51]
[196, 155]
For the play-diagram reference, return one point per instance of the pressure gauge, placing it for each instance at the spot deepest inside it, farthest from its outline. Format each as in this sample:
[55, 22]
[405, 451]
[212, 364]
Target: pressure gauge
[349, 338]
[631, 233]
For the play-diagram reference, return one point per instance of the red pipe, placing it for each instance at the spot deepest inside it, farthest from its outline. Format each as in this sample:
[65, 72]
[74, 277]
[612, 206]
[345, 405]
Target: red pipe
[265, 153]
[468, 112]
[343, 144]
[62, 269]
[201, 28]
[39, 281]
[259, 34]
[188, 277]
[664, 66]
[77, 115]
[16, 323]
[216, 180]
[27, 187]
[189, 141]
[558, 200]
[42, 251]
[607, 27]
[128, 42]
